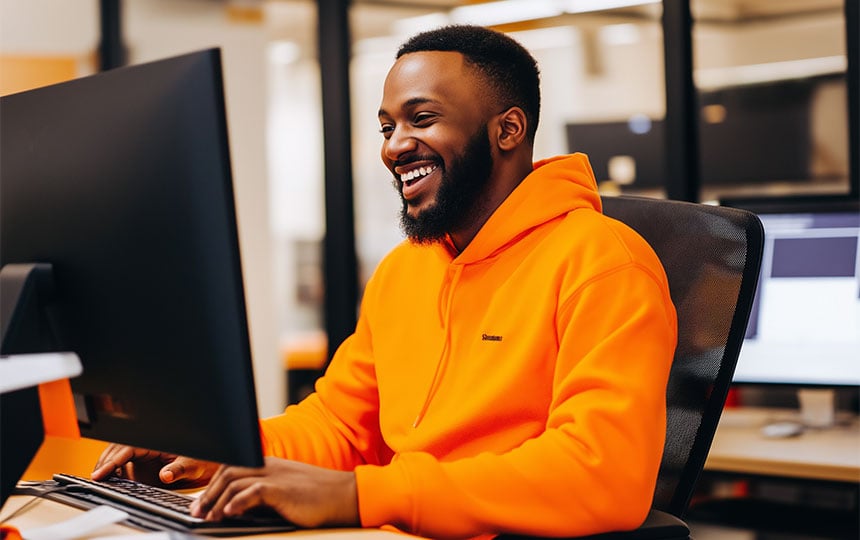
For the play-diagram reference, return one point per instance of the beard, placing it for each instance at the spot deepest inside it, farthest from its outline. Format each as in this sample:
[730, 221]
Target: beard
[460, 197]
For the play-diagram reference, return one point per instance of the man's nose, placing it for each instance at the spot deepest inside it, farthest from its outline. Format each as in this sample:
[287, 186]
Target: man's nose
[399, 143]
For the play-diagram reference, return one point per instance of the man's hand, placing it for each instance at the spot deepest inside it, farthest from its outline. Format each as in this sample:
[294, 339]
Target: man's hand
[151, 467]
[306, 495]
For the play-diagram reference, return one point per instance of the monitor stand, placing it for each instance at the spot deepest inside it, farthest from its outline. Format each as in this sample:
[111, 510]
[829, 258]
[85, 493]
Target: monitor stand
[25, 291]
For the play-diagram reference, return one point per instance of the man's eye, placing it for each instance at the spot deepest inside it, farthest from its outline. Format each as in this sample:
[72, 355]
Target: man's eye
[423, 118]
[386, 129]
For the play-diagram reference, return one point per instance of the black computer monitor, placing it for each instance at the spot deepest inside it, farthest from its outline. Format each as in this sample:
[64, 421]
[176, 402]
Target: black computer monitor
[804, 329]
[736, 146]
[121, 182]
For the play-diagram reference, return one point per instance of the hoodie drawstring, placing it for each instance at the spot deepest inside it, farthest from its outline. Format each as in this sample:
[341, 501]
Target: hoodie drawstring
[446, 295]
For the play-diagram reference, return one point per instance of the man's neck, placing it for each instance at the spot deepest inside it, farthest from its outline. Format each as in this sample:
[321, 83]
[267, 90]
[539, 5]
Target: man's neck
[502, 188]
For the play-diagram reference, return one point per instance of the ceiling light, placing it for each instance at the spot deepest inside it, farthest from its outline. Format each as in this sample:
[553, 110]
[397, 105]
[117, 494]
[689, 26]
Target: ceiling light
[586, 6]
[707, 78]
[505, 11]
[511, 11]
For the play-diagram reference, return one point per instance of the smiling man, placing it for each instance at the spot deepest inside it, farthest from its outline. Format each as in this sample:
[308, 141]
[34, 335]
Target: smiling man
[508, 370]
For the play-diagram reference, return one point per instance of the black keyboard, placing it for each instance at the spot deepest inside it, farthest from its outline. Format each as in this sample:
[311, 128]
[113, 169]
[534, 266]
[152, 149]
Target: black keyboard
[169, 507]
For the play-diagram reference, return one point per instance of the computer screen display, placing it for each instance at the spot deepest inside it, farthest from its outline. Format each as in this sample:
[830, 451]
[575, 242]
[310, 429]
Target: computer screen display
[805, 324]
[121, 181]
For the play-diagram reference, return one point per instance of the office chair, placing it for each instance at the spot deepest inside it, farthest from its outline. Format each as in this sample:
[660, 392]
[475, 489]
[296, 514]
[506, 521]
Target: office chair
[712, 257]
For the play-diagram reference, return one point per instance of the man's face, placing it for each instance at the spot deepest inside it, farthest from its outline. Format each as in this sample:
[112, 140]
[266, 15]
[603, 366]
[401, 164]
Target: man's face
[433, 117]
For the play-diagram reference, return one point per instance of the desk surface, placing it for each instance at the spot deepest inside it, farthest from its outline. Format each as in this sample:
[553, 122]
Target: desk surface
[820, 454]
[46, 512]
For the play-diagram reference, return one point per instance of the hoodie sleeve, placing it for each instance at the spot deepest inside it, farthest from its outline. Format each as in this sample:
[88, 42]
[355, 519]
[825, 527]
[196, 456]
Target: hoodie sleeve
[593, 469]
[337, 435]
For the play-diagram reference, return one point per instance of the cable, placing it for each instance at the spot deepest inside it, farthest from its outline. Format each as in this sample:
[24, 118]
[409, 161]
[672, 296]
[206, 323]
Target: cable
[41, 491]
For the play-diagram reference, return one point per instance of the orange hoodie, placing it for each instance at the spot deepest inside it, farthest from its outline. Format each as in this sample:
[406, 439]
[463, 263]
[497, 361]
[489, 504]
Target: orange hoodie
[518, 386]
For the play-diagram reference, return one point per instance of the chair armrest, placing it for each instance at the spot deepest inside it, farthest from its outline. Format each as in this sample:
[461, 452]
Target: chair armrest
[657, 526]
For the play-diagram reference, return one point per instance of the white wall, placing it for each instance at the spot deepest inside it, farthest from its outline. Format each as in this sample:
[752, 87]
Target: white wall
[49, 27]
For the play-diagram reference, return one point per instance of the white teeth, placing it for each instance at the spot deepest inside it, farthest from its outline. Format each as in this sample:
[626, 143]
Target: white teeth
[415, 173]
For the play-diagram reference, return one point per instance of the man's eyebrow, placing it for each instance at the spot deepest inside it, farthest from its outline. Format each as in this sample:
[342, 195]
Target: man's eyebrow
[411, 102]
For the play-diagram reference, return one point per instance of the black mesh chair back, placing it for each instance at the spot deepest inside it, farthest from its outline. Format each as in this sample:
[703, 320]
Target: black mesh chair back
[712, 257]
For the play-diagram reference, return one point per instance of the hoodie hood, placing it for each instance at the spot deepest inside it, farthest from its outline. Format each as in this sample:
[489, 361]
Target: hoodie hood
[555, 187]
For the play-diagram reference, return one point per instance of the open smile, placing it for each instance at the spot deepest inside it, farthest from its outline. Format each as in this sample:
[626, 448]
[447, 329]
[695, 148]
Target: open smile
[411, 179]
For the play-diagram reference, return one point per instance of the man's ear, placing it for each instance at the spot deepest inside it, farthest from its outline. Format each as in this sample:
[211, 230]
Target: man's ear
[512, 129]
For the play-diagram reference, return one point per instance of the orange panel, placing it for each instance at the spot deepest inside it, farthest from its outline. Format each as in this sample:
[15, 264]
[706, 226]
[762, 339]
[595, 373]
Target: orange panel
[58, 409]
[308, 352]
[20, 72]
[59, 454]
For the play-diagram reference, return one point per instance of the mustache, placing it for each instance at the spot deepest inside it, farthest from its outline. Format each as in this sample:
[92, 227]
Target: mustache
[413, 159]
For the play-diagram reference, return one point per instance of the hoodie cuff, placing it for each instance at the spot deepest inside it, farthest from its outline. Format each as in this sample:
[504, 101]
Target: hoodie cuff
[385, 495]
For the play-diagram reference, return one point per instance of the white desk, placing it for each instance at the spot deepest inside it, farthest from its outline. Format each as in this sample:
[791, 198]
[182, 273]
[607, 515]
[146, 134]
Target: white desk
[819, 454]
[47, 512]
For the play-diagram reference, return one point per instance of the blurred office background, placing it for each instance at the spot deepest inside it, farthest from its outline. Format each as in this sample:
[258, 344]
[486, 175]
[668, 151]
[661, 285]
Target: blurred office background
[770, 82]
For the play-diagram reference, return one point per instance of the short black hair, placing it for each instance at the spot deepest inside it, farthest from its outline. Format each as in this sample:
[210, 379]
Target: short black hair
[510, 69]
